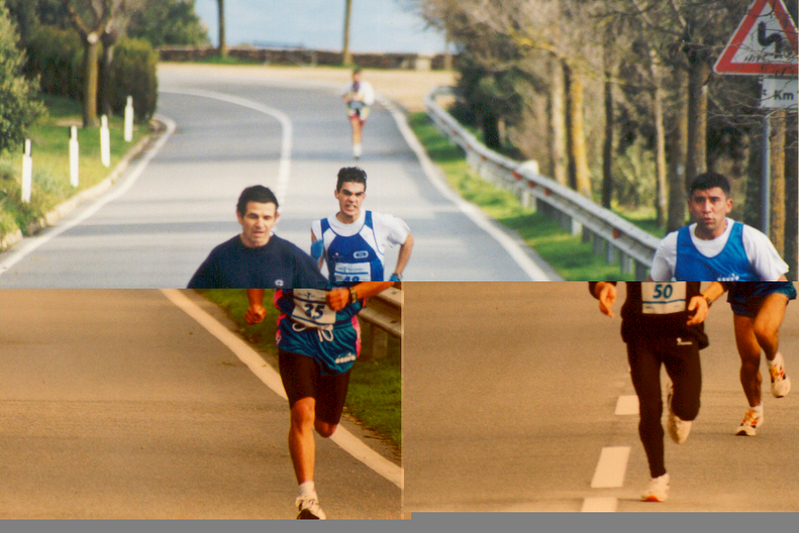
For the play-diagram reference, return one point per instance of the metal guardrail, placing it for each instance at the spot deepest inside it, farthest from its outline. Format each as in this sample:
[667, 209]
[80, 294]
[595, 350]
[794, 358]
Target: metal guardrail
[384, 313]
[619, 240]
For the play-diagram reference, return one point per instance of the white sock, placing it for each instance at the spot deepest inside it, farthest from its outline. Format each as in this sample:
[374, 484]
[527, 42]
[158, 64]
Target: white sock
[758, 409]
[777, 359]
[307, 488]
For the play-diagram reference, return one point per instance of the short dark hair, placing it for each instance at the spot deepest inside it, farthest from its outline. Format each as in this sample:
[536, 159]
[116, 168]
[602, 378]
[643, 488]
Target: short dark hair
[709, 180]
[256, 193]
[351, 175]
[356, 70]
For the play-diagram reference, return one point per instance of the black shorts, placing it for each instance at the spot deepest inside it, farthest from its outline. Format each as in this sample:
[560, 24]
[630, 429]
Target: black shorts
[302, 378]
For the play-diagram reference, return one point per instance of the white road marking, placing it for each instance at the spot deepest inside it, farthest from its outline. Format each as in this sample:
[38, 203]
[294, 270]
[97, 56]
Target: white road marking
[284, 170]
[473, 212]
[36, 242]
[346, 440]
[600, 505]
[627, 405]
[611, 467]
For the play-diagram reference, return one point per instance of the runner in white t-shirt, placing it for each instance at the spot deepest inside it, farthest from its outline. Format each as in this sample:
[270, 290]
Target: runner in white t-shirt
[358, 96]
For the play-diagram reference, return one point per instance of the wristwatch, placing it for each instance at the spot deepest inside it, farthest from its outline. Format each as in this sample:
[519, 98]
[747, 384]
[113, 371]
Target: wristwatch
[709, 302]
[353, 295]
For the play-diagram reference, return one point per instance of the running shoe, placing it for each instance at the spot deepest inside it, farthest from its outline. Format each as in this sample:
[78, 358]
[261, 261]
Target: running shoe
[657, 490]
[780, 383]
[308, 507]
[752, 420]
[679, 429]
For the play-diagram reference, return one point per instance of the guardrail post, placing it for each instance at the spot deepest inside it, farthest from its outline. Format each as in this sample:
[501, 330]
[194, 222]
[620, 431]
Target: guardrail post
[599, 245]
[640, 271]
[612, 254]
[129, 120]
[626, 264]
[378, 343]
[105, 142]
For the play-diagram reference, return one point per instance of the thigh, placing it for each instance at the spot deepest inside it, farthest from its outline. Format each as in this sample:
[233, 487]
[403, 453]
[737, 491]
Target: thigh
[644, 369]
[300, 376]
[771, 313]
[683, 366]
[331, 393]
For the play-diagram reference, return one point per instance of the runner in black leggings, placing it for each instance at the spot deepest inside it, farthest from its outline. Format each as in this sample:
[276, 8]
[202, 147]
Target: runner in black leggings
[662, 324]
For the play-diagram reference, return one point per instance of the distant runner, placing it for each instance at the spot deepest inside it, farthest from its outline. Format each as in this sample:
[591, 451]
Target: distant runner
[662, 324]
[358, 96]
[353, 242]
[718, 248]
[257, 258]
[318, 340]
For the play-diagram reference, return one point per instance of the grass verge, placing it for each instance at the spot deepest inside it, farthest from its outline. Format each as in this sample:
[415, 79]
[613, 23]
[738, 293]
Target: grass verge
[50, 152]
[375, 392]
[573, 259]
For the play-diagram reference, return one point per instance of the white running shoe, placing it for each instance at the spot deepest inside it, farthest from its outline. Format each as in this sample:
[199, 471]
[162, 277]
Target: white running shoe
[780, 383]
[679, 429]
[752, 420]
[657, 490]
[308, 507]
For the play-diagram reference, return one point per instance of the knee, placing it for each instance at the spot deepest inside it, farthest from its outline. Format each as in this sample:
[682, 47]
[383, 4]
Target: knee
[325, 430]
[302, 413]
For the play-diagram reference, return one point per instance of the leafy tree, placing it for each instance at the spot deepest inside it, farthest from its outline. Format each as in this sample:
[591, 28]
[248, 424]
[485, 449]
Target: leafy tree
[18, 107]
[168, 22]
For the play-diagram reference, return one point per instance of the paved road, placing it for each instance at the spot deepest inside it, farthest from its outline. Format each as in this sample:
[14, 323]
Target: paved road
[238, 128]
[118, 405]
[510, 392]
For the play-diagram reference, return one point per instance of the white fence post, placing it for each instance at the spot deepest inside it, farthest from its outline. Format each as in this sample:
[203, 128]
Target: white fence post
[129, 120]
[105, 143]
[74, 155]
[27, 172]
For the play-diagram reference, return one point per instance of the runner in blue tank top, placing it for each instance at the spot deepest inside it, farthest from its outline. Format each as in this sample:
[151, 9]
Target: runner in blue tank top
[318, 339]
[716, 248]
[353, 242]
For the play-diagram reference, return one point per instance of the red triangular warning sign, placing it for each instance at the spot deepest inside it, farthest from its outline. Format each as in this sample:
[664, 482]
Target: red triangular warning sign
[765, 43]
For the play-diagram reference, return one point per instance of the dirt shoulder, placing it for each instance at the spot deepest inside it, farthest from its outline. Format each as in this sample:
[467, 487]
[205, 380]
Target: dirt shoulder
[405, 87]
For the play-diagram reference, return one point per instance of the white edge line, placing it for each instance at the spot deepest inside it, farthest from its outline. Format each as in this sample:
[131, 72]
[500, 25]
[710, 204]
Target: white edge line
[343, 438]
[627, 405]
[284, 170]
[54, 232]
[478, 217]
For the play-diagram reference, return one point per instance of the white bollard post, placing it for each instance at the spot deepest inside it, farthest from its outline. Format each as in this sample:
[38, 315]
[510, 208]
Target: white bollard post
[27, 172]
[105, 143]
[129, 120]
[74, 156]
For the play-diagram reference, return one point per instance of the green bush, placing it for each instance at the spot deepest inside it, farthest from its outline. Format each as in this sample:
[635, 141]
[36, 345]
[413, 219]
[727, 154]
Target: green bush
[56, 56]
[18, 105]
[133, 73]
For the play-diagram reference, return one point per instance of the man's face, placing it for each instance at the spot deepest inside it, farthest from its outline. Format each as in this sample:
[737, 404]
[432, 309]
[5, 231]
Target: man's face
[709, 208]
[257, 223]
[349, 197]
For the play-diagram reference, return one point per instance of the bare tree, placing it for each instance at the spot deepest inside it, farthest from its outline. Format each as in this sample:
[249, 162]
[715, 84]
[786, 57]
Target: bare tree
[222, 43]
[346, 55]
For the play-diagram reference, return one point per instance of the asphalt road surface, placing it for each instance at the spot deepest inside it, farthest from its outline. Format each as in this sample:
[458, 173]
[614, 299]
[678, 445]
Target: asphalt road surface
[238, 128]
[115, 404]
[510, 394]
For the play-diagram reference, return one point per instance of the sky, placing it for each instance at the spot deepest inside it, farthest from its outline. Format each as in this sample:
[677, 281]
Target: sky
[376, 26]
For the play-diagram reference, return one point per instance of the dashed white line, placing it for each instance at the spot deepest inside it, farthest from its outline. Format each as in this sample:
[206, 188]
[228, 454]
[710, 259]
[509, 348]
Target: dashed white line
[611, 467]
[627, 405]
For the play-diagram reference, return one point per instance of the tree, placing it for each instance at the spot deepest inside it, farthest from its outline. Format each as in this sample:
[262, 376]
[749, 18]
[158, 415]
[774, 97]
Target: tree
[222, 44]
[18, 105]
[168, 22]
[91, 19]
[346, 55]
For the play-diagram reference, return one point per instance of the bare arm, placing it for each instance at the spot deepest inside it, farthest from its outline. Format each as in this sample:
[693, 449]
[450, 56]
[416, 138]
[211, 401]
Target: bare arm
[404, 254]
[338, 298]
[256, 313]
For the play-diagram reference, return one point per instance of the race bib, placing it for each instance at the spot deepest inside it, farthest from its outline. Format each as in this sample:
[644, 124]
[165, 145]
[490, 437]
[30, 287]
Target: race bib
[311, 310]
[658, 298]
[352, 272]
